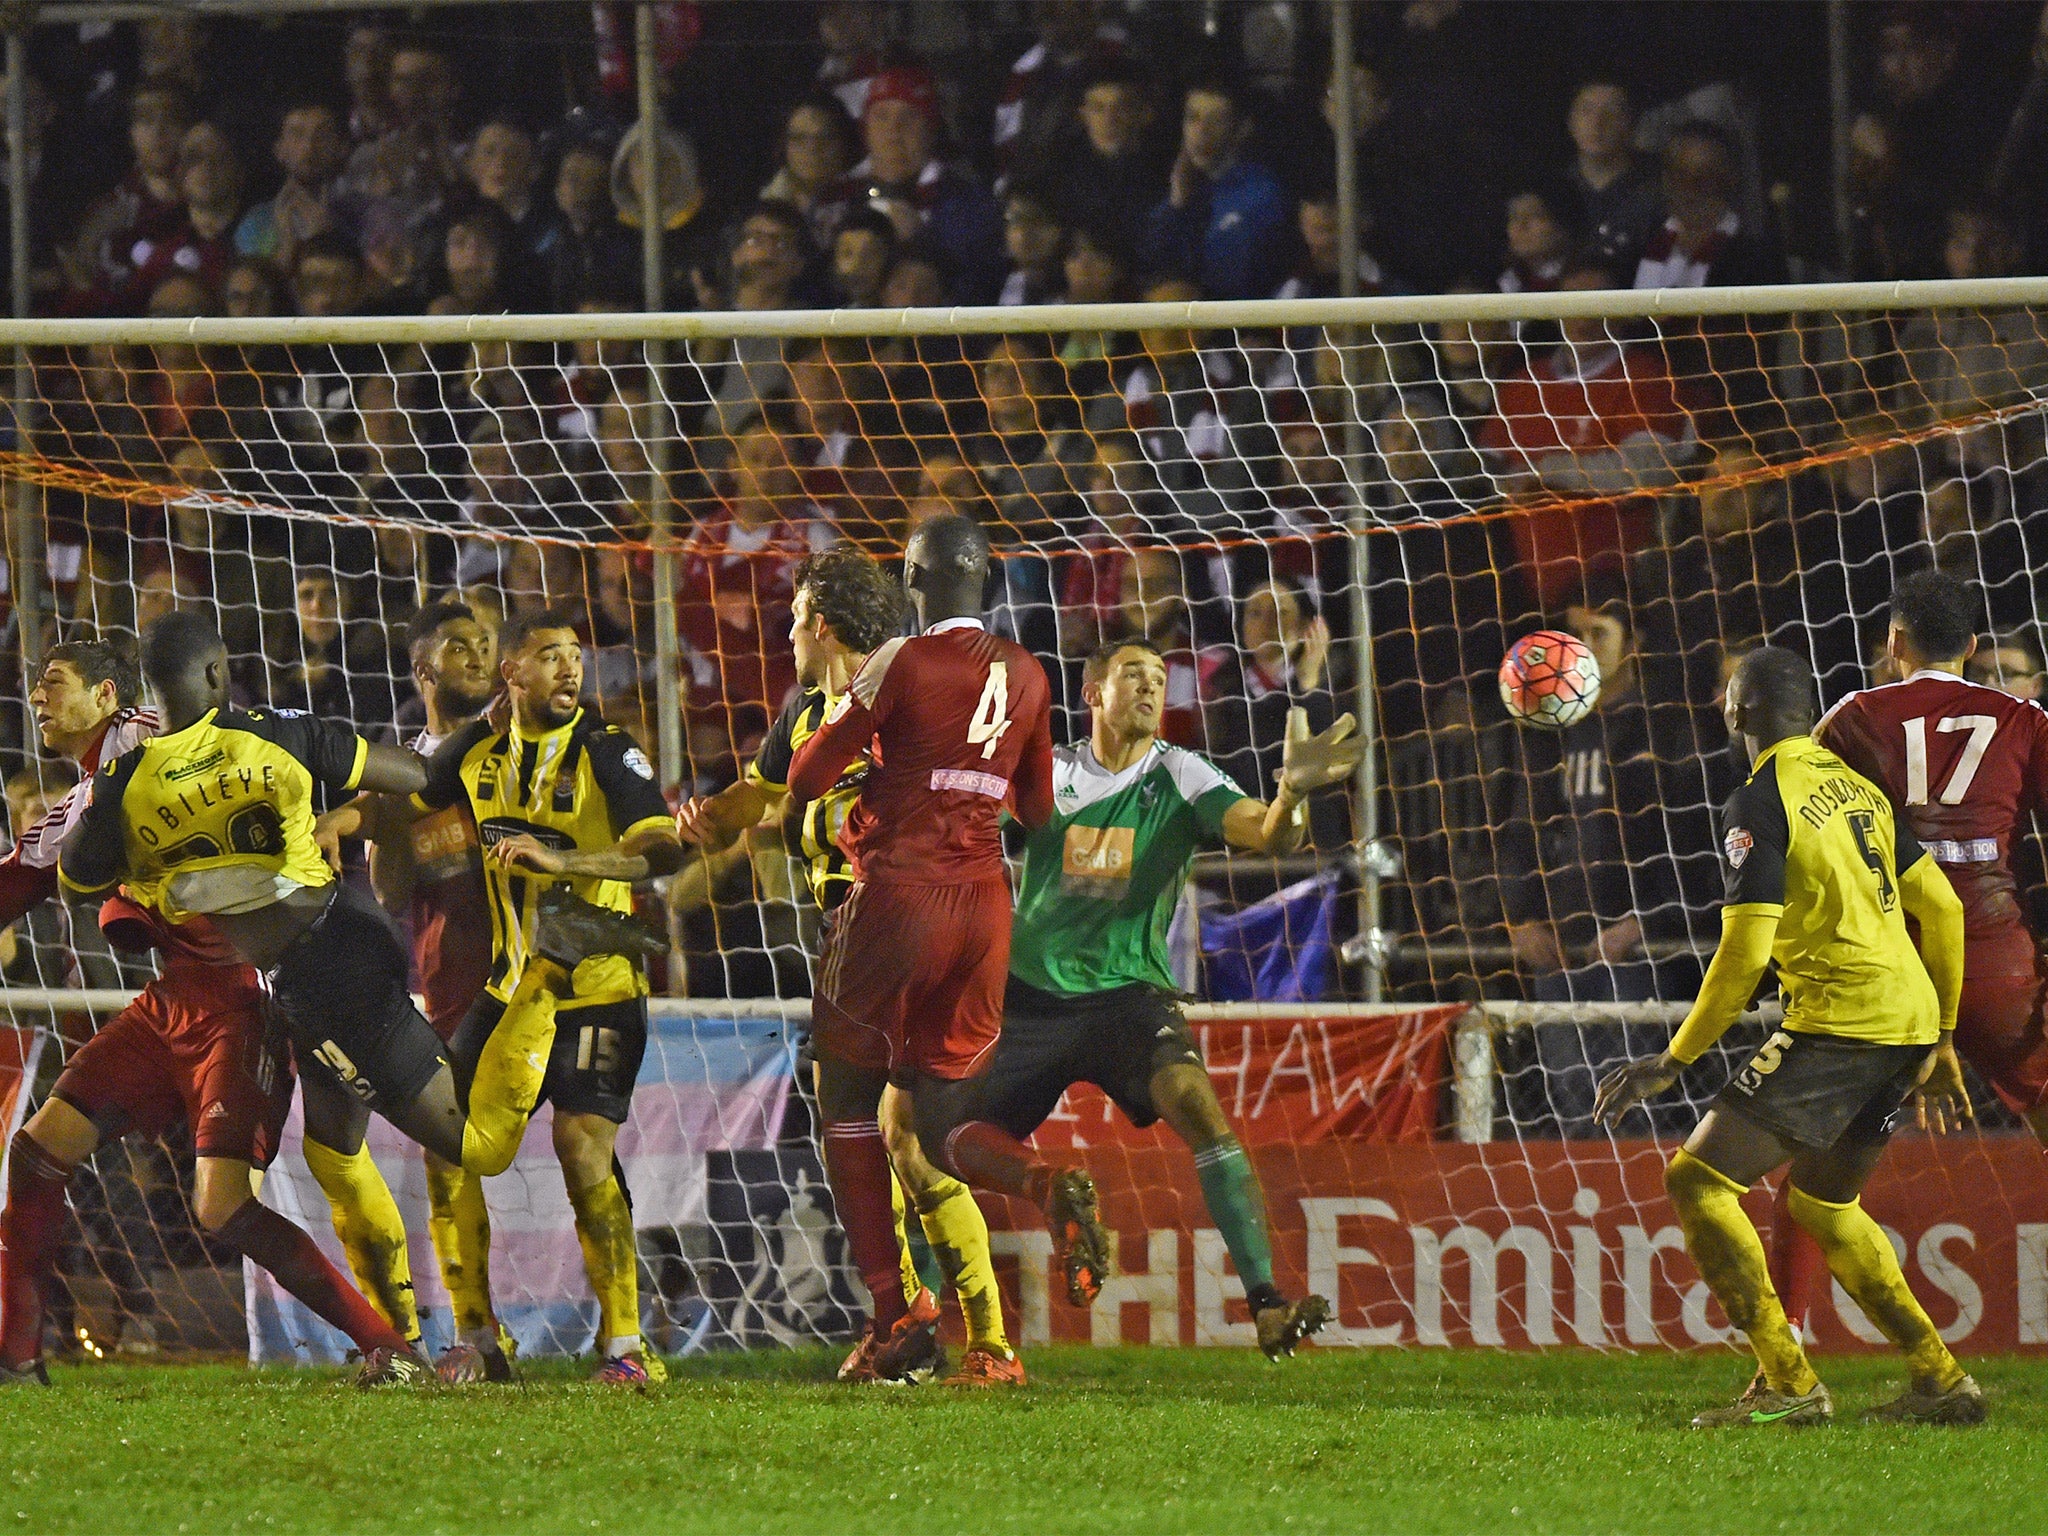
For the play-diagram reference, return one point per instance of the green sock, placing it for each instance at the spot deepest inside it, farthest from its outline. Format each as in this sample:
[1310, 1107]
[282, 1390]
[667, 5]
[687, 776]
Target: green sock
[1238, 1207]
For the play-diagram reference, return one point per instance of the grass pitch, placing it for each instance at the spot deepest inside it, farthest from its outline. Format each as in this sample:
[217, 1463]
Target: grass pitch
[1103, 1441]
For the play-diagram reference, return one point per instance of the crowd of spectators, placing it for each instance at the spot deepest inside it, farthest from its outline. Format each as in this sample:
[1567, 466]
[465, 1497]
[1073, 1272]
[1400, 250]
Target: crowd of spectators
[1169, 483]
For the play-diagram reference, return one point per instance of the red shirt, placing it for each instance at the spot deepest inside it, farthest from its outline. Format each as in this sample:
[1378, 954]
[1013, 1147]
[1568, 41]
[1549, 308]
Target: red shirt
[961, 724]
[450, 913]
[1965, 765]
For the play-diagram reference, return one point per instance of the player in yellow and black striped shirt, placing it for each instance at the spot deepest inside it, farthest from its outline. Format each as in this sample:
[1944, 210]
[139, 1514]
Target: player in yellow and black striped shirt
[562, 799]
[1821, 879]
[214, 816]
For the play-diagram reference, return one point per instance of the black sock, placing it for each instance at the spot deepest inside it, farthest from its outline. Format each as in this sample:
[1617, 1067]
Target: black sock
[1261, 1297]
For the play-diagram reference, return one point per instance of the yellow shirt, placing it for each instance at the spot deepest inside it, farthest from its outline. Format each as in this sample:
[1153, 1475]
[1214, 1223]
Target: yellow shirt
[816, 833]
[217, 817]
[1814, 844]
[582, 786]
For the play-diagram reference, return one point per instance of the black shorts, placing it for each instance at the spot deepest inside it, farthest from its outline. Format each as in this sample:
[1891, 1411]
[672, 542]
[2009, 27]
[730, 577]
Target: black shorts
[1116, 1040]
[341, 986]
[1817, 1091]
[594, 1063]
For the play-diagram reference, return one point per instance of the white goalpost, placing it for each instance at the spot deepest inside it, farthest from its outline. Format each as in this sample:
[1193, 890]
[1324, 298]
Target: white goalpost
[1406, 1019]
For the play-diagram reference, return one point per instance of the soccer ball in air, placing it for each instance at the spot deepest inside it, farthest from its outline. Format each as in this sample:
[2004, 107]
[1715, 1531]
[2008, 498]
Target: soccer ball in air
[1549, 679]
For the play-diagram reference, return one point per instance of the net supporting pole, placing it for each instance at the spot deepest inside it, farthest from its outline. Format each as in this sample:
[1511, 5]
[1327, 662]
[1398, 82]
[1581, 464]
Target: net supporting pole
[667, 701]
[26, 565]
[1366, 787]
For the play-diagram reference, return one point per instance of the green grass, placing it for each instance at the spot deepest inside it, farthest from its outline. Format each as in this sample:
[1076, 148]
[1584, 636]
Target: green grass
[1104, 1442]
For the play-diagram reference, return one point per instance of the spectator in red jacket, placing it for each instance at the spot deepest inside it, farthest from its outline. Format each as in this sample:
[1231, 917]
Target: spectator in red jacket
[1579, 435]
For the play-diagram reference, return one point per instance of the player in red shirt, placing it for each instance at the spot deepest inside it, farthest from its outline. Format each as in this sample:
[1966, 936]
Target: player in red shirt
[197, 1044]
[1966, 766]
[910, 989]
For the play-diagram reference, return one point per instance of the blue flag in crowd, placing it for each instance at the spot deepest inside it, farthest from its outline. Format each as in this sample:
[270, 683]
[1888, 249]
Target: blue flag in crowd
[1279, 950]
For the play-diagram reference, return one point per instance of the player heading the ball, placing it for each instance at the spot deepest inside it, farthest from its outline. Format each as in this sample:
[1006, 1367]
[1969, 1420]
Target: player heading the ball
[214, 816]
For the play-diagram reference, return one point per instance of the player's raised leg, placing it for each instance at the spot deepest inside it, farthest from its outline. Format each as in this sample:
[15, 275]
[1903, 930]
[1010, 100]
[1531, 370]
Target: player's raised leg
[989, 1157]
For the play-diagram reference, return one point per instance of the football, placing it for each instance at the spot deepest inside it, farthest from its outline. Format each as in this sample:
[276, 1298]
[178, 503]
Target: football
[1550, 679]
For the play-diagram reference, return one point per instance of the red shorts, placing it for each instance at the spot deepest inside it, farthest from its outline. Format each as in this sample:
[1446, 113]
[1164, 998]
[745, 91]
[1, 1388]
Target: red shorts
[1999, 1032]
[195, 1046]
[912, 979]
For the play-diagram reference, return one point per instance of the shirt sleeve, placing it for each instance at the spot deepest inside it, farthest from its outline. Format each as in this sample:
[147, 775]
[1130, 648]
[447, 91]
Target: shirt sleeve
[332, 752]
[1207, 789]
[95, 851]
[631, 793]
[842, 737]
[1845, 731]
[1756, 838]
[22, 885]
[444, 785]
[770, 767]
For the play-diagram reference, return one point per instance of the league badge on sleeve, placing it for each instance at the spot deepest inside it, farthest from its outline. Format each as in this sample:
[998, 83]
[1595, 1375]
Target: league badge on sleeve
[1736, 845]
[636, 760]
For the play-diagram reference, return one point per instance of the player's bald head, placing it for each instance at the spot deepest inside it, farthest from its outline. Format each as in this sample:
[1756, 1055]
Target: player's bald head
[946, 566]
[185, 662]
[1771, 695]
[950, 545]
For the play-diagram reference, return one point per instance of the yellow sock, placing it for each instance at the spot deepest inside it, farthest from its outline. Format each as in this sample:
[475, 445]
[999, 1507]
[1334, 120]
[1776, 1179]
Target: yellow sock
[372, 1232]
[510, 1071]
[1730, 1258]
[958, 1235]
[913, 1282]
[604, 1225]
[460, 1222]
[1861, 1257]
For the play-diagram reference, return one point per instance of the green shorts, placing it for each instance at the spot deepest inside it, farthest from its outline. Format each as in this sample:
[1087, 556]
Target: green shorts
[1116, 1040]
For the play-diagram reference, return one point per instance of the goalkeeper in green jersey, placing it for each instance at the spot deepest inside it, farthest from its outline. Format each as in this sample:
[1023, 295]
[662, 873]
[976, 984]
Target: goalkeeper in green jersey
[1091, 998]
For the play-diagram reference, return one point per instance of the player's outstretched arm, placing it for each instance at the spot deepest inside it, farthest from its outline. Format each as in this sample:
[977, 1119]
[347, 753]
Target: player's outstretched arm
[1731, 980]
[715, 822]
[1031, 784]
[392, 770]
[1309, 763]
[831, 749]
[647, 854]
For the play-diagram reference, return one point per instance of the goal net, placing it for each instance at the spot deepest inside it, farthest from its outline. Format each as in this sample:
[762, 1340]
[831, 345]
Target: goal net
[1323, 505]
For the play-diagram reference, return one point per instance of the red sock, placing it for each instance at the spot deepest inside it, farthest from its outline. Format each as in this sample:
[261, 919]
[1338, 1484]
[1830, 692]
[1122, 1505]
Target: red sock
[29, 1229]
[289, 1252]
[1798, 1267]
[857, 1167]
[989, 1157]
